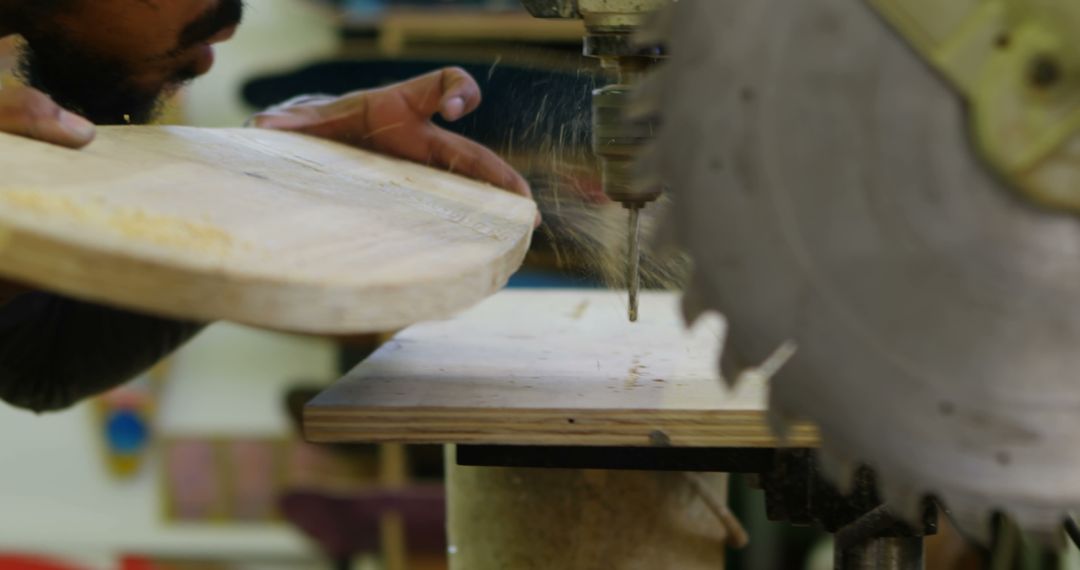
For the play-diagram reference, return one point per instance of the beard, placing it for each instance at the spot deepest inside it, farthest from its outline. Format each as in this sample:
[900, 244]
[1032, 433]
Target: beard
[103, 91]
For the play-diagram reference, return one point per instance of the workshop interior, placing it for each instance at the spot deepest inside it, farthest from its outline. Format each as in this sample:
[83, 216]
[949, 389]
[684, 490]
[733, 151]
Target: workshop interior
[799, 298]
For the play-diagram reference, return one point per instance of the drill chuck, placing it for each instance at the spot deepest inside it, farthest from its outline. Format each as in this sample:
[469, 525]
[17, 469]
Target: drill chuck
[618, 141]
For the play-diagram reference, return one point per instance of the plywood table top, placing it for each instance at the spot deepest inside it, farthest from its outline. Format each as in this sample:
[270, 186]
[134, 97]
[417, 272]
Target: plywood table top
[550, 367]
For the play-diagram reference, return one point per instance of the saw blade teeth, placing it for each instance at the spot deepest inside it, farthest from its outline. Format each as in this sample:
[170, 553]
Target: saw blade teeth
[693, 303]
[838, 469]
[728, 377]
[904, 501]
[729, 362]
[780, 423]
[973, 515]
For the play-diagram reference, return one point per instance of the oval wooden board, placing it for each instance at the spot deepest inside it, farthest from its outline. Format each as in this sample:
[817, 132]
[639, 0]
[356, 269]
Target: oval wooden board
[266, 228]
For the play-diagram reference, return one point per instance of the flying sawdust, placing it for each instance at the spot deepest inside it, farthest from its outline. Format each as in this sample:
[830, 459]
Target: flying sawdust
[585, 231]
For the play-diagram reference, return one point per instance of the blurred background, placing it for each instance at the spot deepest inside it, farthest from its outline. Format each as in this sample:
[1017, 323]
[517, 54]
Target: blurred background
[199, 464]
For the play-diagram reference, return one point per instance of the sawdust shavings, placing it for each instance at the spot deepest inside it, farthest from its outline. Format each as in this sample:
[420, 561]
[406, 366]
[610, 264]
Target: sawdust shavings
[128, 222]
[633, 374]
[586, 232]
[591, 240]
[579, 311]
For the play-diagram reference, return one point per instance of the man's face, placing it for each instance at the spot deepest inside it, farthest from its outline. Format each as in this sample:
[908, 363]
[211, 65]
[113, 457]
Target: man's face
[113, 60]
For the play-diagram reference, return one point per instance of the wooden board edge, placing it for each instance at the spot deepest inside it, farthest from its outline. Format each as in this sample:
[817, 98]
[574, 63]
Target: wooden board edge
[220, 297]
[700, 428]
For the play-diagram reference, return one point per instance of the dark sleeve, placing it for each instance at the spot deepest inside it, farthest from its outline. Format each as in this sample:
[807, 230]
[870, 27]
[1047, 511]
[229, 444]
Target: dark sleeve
[55, 351]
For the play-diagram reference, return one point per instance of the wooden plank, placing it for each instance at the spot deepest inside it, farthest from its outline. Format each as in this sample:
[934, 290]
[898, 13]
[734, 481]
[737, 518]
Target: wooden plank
[261, 227]
[398, 28]
[393, 474]
[549, 368]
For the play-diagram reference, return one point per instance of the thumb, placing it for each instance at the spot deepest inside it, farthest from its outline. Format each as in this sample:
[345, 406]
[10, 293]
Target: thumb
[30, 113]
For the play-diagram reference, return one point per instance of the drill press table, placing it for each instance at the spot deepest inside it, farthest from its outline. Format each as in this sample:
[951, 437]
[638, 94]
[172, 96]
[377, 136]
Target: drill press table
[549, 368]
[560, 379]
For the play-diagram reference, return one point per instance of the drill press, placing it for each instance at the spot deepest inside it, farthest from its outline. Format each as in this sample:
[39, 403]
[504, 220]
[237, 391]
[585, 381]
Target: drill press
[617, 140]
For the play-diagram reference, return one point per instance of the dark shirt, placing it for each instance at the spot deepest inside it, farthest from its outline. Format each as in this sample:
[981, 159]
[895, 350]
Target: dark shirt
[55, 351]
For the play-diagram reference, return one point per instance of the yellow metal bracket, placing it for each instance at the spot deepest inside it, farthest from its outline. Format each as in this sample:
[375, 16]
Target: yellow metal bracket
[1017, 64]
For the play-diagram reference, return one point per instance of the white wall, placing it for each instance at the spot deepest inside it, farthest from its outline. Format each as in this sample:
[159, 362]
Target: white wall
[56, 496]
[276, 36]
[55, 493]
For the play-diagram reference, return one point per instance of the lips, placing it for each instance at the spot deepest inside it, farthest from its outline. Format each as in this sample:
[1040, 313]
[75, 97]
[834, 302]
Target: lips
[204, 58]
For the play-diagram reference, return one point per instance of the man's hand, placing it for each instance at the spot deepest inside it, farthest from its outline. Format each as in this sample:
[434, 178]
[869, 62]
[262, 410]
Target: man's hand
[396, 120]
[30, 113]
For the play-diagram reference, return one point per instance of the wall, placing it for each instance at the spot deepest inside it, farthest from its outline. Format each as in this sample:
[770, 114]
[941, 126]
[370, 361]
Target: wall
[276, 36]
[58, 498]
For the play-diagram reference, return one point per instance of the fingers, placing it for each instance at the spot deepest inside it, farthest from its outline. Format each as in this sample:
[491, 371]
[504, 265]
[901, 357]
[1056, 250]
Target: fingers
[30, 113]
[395, 120]
[450, 91]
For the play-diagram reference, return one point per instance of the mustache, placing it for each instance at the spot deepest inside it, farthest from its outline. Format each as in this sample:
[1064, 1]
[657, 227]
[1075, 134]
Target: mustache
[92, 87]
[226, 14]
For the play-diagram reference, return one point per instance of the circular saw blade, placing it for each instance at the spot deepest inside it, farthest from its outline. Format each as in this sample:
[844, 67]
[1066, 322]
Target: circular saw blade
[824, 185]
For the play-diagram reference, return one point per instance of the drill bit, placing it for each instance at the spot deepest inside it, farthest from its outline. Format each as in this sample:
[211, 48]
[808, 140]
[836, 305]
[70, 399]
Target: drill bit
[633, 275]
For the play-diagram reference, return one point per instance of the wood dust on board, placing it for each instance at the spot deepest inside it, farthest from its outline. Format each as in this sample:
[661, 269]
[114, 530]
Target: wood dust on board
[127, 222]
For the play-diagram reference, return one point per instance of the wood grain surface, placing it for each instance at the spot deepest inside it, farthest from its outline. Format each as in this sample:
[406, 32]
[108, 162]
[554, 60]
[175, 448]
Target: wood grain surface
[266, 228]
[549, 368]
